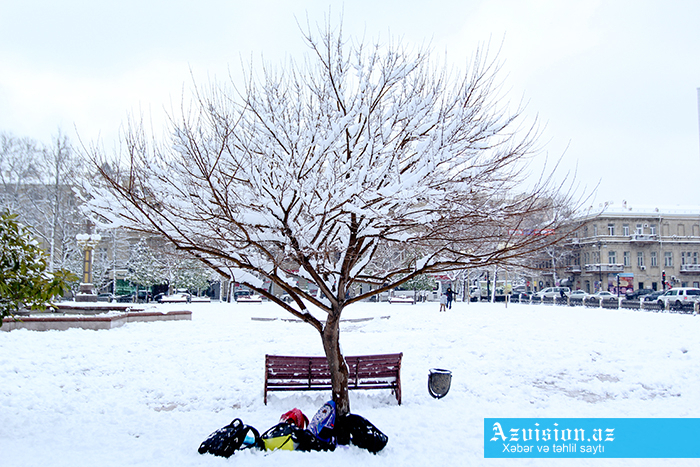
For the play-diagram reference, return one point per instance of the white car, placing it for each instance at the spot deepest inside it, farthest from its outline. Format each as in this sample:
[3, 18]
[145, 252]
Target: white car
[677, 297]
[604, 295]
[552, 292]
[578, 294]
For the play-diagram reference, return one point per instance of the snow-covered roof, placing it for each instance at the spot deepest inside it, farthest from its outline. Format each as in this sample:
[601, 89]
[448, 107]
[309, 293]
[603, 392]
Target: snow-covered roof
[626, 209]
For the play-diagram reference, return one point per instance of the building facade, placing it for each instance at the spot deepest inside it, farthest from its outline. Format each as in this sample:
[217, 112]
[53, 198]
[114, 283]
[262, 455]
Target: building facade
[630, 249]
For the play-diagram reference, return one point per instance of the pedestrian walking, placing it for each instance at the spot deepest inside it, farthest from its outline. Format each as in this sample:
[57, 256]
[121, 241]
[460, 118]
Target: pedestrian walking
[450, 296]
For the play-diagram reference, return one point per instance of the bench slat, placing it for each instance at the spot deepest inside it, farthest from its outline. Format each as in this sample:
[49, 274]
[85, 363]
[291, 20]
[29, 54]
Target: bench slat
[311, 373]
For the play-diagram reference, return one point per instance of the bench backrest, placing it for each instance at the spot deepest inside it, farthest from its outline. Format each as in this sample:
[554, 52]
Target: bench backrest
[363, 370]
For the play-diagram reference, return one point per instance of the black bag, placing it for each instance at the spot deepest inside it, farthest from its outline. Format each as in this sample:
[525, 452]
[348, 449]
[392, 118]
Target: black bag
[229, 439]
[305, 440]
[357, 430]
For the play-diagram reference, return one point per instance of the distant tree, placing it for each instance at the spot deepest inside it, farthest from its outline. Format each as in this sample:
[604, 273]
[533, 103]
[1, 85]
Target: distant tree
[313, 170]
[423, 282]
[24, 279]
[18, 170]
[191, 274]
[144, 268]
[57, 207]
[37, 182]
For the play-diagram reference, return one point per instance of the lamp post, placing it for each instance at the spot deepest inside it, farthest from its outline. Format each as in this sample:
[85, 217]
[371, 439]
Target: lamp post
[87, 241]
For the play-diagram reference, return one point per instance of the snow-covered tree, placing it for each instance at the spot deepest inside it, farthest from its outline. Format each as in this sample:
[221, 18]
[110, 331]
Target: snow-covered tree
[19, 159]
[313, 168]
[24, 278]
[190, 274]
[37, 181]
[144, 268]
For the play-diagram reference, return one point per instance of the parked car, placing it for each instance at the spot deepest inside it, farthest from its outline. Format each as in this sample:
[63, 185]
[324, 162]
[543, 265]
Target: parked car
[653, 296]
[128, 298]
[680, 296]
[143, 296]
[105, 297]
[474, 294]
[637, 294]
[552, 292]
[604, 295]
[578, 294]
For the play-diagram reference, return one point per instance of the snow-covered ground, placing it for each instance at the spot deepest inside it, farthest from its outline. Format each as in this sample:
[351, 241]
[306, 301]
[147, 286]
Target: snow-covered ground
[147, 394]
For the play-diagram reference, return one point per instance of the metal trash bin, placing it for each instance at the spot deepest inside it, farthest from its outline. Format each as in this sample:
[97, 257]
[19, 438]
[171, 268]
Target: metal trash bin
[439, 381]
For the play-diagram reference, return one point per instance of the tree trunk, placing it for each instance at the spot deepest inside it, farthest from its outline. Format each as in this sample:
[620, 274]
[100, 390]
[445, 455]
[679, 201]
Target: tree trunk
[336, 364]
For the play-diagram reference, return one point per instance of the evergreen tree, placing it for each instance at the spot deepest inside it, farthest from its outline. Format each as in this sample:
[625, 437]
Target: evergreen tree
[24, 279]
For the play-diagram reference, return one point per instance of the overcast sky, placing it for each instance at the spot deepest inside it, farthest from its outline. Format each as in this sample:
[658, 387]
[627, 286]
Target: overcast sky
[615, 82]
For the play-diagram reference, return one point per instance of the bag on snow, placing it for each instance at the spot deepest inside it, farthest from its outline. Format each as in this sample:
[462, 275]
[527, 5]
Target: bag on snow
[231, 438]
[360, 432]
[288, 436]
[322, 424]
[307, 441]
[279, 437]
[296, 417]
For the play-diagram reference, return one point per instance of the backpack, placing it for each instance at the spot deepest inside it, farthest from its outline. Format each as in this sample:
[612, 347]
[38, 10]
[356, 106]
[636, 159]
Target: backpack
[357, 430]
[231, 438]
[322, 424]
[290, 437]
[296, 417]
[280, 437]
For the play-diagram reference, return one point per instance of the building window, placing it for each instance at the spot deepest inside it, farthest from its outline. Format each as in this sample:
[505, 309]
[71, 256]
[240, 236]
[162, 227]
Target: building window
[640, 229]
[626, 230]
[626, 258]
[595, 230]
[612, 257]
[654, 261]
[586, 258]
[668, 259]
[652, 229]
[695, 257]
[640, 259]
[611, 229]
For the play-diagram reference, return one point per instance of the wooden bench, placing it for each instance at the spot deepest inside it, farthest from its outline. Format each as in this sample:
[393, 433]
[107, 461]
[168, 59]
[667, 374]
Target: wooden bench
[290, 373]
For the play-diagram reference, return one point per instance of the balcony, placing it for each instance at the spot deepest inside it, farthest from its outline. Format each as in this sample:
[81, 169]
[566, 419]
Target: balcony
[644, 238]
[690, 268]
[574, 268]
[602, 267]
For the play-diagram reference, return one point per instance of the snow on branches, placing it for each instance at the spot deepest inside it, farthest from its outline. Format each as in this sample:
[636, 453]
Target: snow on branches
[323, 166]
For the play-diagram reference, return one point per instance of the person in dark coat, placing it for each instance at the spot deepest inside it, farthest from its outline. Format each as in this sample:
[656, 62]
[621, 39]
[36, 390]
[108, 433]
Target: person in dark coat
[450, 296]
